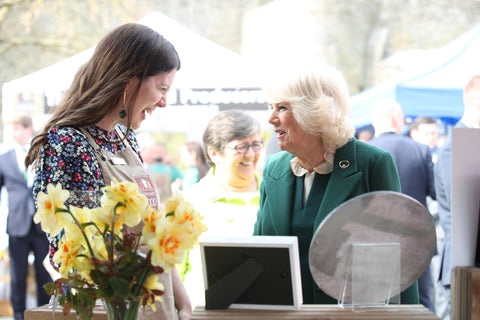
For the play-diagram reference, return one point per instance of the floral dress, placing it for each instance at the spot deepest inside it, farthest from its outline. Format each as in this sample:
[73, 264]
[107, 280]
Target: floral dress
[68, 158]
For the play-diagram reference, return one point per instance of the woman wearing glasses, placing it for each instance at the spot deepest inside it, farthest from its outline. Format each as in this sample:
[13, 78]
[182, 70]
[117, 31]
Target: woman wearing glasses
[228, 195]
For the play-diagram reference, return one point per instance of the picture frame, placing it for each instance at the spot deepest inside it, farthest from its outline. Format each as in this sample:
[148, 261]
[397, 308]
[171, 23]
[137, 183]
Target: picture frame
[254, 272]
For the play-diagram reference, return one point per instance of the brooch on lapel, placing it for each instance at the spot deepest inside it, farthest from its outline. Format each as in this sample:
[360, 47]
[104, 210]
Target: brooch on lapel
[344, 164]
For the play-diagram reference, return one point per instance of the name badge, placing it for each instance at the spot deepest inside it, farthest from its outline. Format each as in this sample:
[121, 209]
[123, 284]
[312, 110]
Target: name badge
[117, 161]
[146, 186]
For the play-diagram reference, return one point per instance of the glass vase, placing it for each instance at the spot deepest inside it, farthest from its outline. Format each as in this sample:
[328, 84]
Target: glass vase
[120, 309]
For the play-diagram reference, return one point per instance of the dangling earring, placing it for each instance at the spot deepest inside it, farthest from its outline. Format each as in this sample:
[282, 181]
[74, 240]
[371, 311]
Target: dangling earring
[123, 112]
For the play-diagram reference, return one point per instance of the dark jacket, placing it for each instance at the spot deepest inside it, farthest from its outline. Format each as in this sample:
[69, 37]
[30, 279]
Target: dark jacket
[21, 205]
[414, 164]
[369, 169]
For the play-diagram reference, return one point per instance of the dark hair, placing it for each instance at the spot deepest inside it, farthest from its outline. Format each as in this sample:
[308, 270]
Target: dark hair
[422, 120]
[129, 51]
[201, 164]
[227, 126]
[22, 119]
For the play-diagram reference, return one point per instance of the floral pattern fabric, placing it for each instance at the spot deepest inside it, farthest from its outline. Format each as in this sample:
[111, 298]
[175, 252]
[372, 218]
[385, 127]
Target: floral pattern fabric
[68, 158]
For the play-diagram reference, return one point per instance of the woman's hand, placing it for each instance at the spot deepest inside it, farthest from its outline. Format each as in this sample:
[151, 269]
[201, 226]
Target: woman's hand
[184, 314]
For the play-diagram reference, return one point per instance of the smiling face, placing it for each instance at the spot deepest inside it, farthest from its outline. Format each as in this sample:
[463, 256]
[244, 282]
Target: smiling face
[290, 136]
[234, 169]
[152, 94]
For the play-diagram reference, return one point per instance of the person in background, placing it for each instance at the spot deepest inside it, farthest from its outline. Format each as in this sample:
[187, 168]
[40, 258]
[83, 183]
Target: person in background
[425, 130]
[196, 167]
[443, 176]
[228, 195]
[414, 165]
[90, 138]
[365, 135]
[24, 236]
[321, 166]
[158, 164]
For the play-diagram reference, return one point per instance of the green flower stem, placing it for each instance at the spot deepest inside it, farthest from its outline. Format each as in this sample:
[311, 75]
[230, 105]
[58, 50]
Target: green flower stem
[141, 281]
[80, 227]
[137, 245]
[132, 310]
[112, 236]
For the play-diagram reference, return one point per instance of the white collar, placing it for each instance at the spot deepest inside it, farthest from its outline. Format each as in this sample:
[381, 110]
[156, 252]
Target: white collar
[324, 168]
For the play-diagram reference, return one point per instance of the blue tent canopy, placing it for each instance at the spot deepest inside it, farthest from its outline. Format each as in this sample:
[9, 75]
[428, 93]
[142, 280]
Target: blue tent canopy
[436, 92]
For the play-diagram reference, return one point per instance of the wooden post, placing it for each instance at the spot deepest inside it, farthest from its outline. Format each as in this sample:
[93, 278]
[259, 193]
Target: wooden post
[465, 293]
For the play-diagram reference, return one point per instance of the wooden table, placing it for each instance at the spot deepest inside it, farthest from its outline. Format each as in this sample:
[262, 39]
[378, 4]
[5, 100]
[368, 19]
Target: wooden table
[306, 312]
[45, 313]
[320, 312]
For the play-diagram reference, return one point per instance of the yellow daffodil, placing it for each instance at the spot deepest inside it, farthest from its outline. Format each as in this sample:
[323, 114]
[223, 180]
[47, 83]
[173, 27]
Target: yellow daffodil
[152, 283]
[173, 202]
[51, 219]
[99, 248]
[126, 193]
[168, 245]
[66, 255]
[102, 217]
[98, 243]
[82, 216]
[149, 222]
[184, 213]
[84, 266]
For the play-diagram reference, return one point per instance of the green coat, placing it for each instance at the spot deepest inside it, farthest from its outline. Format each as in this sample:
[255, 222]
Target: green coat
[369, 169]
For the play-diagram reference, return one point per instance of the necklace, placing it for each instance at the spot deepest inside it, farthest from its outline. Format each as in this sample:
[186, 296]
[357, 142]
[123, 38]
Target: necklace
[105, 136]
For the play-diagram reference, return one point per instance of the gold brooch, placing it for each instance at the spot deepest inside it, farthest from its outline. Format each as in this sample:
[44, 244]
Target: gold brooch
[344, 164]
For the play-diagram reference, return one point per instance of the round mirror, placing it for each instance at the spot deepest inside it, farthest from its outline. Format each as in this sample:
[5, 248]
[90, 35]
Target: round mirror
[375, 217]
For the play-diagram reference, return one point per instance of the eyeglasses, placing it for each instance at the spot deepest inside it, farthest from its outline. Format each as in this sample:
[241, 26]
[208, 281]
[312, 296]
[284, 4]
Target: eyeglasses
[242, 148]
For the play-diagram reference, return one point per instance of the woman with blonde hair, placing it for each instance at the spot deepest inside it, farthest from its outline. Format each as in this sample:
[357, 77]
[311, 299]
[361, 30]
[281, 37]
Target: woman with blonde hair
[321, 164]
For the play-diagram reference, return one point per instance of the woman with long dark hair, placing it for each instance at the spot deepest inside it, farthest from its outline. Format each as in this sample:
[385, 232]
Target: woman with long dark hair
[90, 138]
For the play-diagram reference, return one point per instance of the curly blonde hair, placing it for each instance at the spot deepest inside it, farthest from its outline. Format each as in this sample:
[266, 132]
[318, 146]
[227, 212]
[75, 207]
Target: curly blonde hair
[319, 98]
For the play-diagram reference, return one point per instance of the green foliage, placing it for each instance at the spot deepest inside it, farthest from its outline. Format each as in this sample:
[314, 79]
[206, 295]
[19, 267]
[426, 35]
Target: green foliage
[50, 288]
[120, 286]
[82, 301]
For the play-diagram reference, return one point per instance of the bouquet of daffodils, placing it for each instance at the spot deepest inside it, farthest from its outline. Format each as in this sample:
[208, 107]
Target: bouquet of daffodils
[115, 252]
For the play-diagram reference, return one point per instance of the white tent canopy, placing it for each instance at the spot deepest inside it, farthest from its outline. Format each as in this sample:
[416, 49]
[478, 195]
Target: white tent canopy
[211, 78]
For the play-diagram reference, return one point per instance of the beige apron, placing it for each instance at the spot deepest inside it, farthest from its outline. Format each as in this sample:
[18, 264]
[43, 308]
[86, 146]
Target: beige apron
[125, 165]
